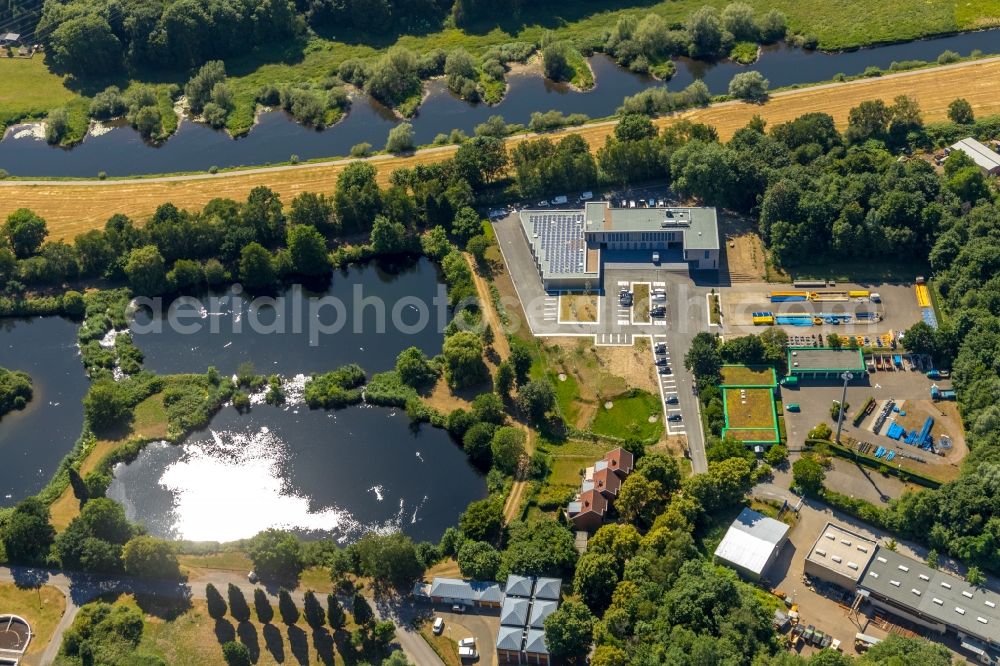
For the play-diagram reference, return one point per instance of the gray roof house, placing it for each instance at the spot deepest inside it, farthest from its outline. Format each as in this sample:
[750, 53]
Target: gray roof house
[535, 648]
[468, 592]
[541, 609]
[514, 612]
[518, 586]
[521, 639]
[548, 588]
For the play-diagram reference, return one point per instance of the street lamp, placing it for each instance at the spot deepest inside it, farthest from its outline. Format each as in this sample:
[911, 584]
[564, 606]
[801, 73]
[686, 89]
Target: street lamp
[847, 376]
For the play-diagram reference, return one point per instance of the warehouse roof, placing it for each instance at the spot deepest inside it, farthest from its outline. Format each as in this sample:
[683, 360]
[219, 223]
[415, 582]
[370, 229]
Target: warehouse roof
[934, 594]
[700, 226]
[824, 359]
[842, 551]
[982, 155]
[751, 540]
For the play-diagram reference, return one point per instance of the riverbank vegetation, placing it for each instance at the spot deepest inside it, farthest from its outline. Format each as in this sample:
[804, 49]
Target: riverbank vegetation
[404, 46]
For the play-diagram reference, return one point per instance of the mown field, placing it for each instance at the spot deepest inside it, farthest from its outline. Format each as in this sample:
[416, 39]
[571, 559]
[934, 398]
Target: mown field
[837, 24]
[74, 207]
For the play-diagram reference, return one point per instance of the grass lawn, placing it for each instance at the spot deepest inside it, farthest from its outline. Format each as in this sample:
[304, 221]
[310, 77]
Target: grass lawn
[578, 307]
[445, 648]
[741, 375]
[30, 90]
[42, 608]
[753, 411]
[629, 417]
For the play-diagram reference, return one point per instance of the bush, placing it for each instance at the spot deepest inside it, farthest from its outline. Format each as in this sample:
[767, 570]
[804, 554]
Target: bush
[749, 86]
[56, 125]
[400, 139]
[108, 104]
[363, 149]
[821, 431]
[947, 57]
[335, 389]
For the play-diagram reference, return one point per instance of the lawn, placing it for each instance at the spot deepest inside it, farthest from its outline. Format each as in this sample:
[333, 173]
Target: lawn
[445, 647]
[578, 307]
[30, 90]
[42, 608]
[755, 410]
[629, 416]
[741, 375]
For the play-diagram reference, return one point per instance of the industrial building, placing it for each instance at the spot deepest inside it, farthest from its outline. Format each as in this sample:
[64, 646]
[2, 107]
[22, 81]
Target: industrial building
[985, 158]
[825, 363]
[568, 245]
[839, 556]
[752, 544]
[933, 599]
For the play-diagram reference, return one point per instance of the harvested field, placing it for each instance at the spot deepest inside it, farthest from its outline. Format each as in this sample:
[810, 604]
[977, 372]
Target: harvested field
[72, 207]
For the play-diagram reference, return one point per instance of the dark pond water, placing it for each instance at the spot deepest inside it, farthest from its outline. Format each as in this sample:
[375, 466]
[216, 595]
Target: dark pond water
[318, 473]
[367, 316]
[33, 441]
[276, 137]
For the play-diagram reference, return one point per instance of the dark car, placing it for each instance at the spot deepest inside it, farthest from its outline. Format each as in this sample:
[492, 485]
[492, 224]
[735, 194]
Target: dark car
[660, 361]
[671, 400]
[660, 348]
[675, 417]
[625, 298]
[658, 311]
[665, 370]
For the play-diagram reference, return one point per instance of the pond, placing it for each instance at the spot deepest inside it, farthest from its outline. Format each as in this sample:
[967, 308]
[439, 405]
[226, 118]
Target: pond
[33, 441]
[318, 473]
[196, 147]
[367, 316]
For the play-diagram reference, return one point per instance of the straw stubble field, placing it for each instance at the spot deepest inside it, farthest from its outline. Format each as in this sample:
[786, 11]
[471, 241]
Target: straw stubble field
[73, 207]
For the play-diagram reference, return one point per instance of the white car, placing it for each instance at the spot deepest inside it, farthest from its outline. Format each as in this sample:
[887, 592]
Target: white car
[438, 626]
[559, 200]
[467, 653]
[586, 196]
[656, 257]
[631, 203]
[469, 642]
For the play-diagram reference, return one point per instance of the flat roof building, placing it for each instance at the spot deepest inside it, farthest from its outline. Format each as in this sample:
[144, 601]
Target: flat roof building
[932, 598]
[568, 245]
[985, 158]
[465, 592]
[752, 543]
[839, 556]
[825, 362]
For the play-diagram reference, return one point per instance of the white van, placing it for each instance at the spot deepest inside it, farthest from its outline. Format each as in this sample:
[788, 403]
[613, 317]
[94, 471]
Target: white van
[559, 200]
[586, 196]
[656, 257]
[875, 298]
[438, 626]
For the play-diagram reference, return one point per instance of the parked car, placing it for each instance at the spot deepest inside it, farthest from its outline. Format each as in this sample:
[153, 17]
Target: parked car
[625, 298]
[586, 196]
[660, 361]
[631, 203]
[671, 400]
[542, 204]
[658, 311]
[252, 577]
[438, 626]
[559, 200]
[659, 295]
[656, 257]
[665, 370]
[660, 347]
[467, 653]
[457, 608]
[675, 418]
[467, 642]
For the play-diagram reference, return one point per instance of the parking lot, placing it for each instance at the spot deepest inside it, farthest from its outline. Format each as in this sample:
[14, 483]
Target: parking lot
[483, 626]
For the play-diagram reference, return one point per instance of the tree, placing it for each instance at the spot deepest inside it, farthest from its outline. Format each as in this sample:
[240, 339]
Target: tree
[216, 604]
[146, 271]
[56, 125]
[361, 610]
[595, 580]
[477, 441]
[919, 339]
[539, 548]
[478, 560]
[256, 267]
[276, 555]
[555, 61]
[435, 243]
[776, 455]
[960, 112]
[482, 520]
[199, 87]
[238, 606]
[640, 499]
[535, 399]
[313, 210]
[749, 86]
[507, 448]
[503, 380]
[28, 536]
[463, 356]
[236, 654]
[106, 406]
[397, 658]
[932, 558]
[148, 557]
[808, 475]
[388, 558]
[703, 358]
[286, 607]
[634, 127]
[400, 139]
[357, 198]
[568, 630]
[975, 577]
[313, 610]
[466, 224]
[308, 251]
[388, 237]
[262, 606]
[704, 29]
[520, 358]
[335, 613]
[85, 45]
[25, 232]
[737, 19]
[414, 369]
[906, 651]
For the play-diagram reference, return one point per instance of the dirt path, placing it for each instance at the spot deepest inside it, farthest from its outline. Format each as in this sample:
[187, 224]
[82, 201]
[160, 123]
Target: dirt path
[74, 206]
[490, 314]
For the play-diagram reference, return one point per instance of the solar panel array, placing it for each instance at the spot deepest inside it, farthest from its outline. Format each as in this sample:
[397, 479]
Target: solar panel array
[560, 237]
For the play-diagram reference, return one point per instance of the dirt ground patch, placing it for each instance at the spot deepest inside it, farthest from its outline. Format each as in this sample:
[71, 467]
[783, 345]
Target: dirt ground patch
[578, 308]
[640, 302]
[746, 257]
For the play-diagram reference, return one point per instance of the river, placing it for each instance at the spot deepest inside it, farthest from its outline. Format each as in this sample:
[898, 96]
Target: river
[196, 147]
[34, 440]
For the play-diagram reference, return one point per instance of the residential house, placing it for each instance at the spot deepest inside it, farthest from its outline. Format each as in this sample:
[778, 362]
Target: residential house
[480, 594]
[599, 487]
[587, 513]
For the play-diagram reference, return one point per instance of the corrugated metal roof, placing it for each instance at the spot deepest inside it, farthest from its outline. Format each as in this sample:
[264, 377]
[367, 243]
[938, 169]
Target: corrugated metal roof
[541, 609]
[548, 588]
[982, 155]
[750, 541]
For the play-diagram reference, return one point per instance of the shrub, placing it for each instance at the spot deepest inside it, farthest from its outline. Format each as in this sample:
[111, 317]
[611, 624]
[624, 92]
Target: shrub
[364, 149]
[749, 86]
[400, 139]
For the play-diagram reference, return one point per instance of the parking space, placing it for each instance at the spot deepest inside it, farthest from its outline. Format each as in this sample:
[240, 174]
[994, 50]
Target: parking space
[669, 392]
[482, 626]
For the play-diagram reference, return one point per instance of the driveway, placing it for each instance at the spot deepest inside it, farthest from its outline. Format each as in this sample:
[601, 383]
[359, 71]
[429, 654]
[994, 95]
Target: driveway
[483, 626]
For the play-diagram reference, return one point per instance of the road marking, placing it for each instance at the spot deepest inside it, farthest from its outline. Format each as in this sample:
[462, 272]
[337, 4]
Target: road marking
[659, 284]
[659, 323]
[674, 409]
[660, 335]
[624, 322]
[622, 283]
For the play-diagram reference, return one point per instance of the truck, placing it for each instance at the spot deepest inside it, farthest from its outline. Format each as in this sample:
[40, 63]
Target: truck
[938, 394]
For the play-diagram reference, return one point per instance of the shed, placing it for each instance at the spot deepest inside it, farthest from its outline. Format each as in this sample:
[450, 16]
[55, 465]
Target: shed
[752, 543]
[985, 158]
